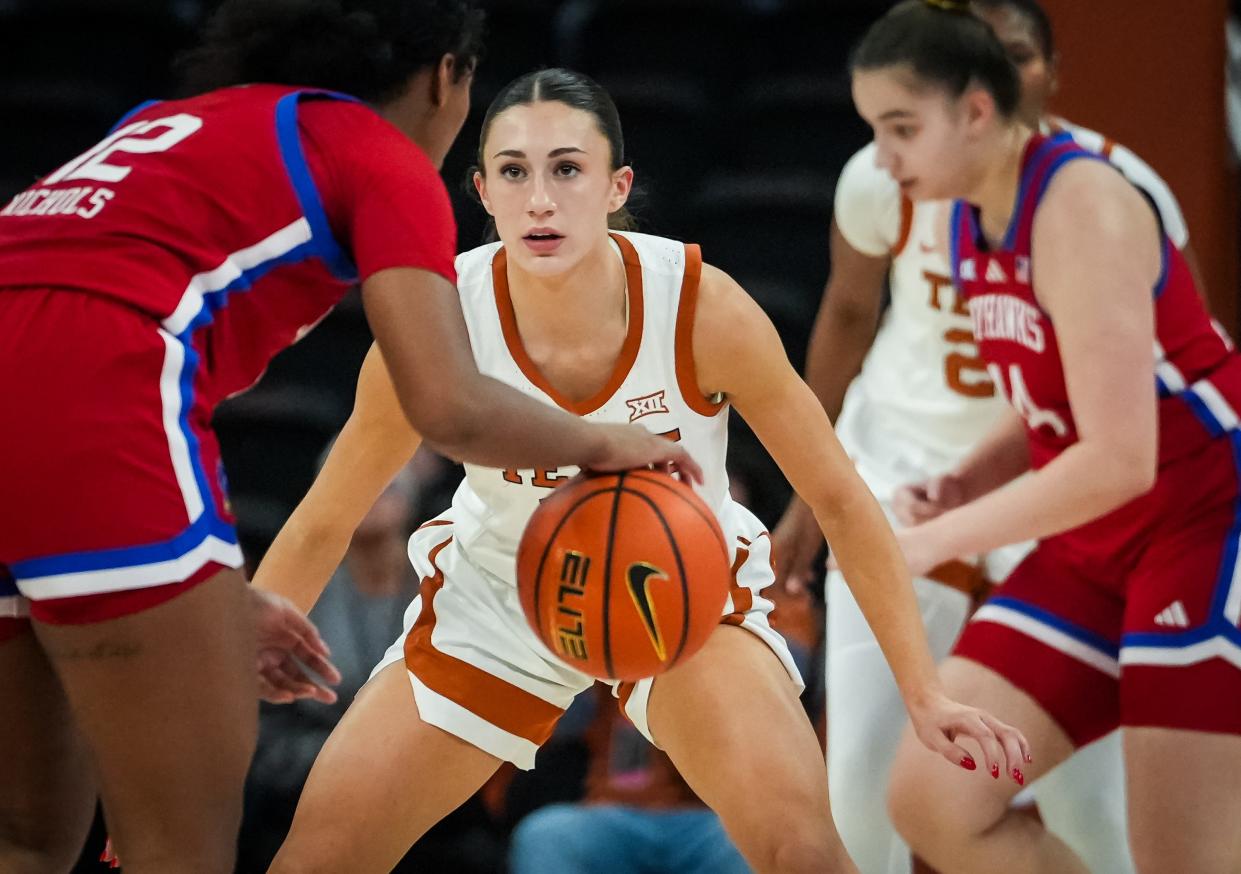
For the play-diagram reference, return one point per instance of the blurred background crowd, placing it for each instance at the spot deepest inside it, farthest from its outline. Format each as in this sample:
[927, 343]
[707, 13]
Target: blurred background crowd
[738, 118]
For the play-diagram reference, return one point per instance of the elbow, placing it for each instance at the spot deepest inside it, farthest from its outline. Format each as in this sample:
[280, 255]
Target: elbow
[851, 320]
[450, 428]
[1131, 475]
[830, 504]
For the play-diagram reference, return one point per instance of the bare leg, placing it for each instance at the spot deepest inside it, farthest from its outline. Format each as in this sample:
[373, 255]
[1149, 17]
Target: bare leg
[167, 701]
[382, 779]
[977, 831]
[1184, 805]
[49, 789]
[730, 720]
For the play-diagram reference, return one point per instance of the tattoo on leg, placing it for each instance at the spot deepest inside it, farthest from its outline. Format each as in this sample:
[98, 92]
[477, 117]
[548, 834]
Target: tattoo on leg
[101, 651]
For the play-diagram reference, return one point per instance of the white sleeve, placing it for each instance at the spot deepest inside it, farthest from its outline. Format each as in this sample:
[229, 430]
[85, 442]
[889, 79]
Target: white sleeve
[1140, 174]
[868, 205]
[1143, 176]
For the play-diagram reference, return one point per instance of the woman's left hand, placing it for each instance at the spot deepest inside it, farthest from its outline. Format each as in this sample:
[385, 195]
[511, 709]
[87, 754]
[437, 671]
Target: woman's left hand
[939, 722]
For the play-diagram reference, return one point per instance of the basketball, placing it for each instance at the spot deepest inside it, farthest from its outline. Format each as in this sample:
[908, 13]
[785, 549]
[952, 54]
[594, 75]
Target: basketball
[623, 575]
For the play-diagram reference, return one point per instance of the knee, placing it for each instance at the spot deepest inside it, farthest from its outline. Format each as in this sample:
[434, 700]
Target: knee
[917, 808]
[799, 845]
[794, 856]
[912, 817]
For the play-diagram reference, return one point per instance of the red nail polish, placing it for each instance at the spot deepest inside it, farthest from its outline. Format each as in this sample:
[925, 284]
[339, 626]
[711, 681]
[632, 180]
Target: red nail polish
[968, 764]
[995, 772]
[1019, 777]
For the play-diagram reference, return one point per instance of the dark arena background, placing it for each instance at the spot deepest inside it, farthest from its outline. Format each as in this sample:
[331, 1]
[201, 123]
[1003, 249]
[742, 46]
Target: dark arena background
[738, 119]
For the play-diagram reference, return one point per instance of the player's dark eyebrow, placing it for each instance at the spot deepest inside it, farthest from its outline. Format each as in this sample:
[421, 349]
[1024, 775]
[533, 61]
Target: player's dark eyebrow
[554, 153]
[895, 113]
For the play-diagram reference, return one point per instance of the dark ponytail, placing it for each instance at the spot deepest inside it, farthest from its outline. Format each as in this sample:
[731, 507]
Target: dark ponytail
[944, 44]
[579, 91]
[366, 48]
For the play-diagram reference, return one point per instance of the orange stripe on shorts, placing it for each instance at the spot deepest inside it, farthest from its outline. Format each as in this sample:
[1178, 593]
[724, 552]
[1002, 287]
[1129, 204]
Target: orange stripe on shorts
[743, 598]
[490, 698]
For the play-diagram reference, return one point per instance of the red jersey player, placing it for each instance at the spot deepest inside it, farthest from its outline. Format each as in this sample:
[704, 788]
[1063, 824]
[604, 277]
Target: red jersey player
[1125, 400]
[141, 283]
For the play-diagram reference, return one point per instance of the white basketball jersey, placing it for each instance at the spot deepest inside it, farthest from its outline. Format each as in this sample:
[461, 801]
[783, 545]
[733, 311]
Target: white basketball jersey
[923, 398]
[653, 384]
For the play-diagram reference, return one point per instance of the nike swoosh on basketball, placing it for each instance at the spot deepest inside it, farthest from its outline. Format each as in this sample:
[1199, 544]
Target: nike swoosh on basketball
[639, 577]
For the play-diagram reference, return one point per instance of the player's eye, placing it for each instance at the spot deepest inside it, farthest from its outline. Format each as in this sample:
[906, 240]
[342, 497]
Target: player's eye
[512, 171]
[567, 170]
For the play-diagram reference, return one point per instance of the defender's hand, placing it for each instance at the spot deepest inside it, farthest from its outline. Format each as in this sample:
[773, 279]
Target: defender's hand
[288, 644]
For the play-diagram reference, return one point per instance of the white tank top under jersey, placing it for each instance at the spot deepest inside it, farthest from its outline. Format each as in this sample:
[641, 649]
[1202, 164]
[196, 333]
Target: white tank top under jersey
[923, 398]
[653, 384]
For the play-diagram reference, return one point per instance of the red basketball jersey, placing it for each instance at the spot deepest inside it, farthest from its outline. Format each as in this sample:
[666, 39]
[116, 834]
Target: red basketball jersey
[236, 219]
[1197, 375]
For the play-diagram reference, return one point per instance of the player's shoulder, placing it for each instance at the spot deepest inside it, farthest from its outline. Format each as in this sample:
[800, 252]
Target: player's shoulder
[868, 208]
[722, 300]
[659, 256]
[474, 269]
[1088, 203]
[863, 175]
[345, 123]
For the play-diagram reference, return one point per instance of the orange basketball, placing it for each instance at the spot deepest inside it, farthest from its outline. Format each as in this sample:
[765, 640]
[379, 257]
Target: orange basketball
[623, 575]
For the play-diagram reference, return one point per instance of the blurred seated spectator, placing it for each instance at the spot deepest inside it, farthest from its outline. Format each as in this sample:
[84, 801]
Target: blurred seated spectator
[358, 615]
[638, 815]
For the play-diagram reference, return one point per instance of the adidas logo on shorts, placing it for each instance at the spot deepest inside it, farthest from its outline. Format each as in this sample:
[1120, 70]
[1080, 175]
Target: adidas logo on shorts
[1173, 615]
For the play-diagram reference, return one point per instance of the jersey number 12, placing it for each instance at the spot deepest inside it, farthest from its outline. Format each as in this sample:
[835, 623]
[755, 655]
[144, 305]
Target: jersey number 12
[93, 163]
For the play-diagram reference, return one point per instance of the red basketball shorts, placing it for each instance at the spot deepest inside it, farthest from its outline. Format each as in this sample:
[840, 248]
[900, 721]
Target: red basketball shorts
[110, 476]
[1155, 643]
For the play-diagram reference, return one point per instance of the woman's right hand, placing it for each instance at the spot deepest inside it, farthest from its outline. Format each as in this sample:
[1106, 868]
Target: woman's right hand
[921, 502]
[630, 446]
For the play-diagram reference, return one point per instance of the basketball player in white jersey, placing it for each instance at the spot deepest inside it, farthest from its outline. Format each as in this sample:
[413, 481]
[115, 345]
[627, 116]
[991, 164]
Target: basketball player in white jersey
[614, 327]
[920, 402]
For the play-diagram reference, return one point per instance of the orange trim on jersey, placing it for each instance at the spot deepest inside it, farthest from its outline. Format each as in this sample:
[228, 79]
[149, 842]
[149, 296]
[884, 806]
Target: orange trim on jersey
[487, 697]
[629, 350]
[907, 223]
[1108, 145]
[687, 373]
[433, 523]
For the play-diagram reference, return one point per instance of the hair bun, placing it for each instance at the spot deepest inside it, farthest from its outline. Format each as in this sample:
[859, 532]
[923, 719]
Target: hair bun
[961, 6]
